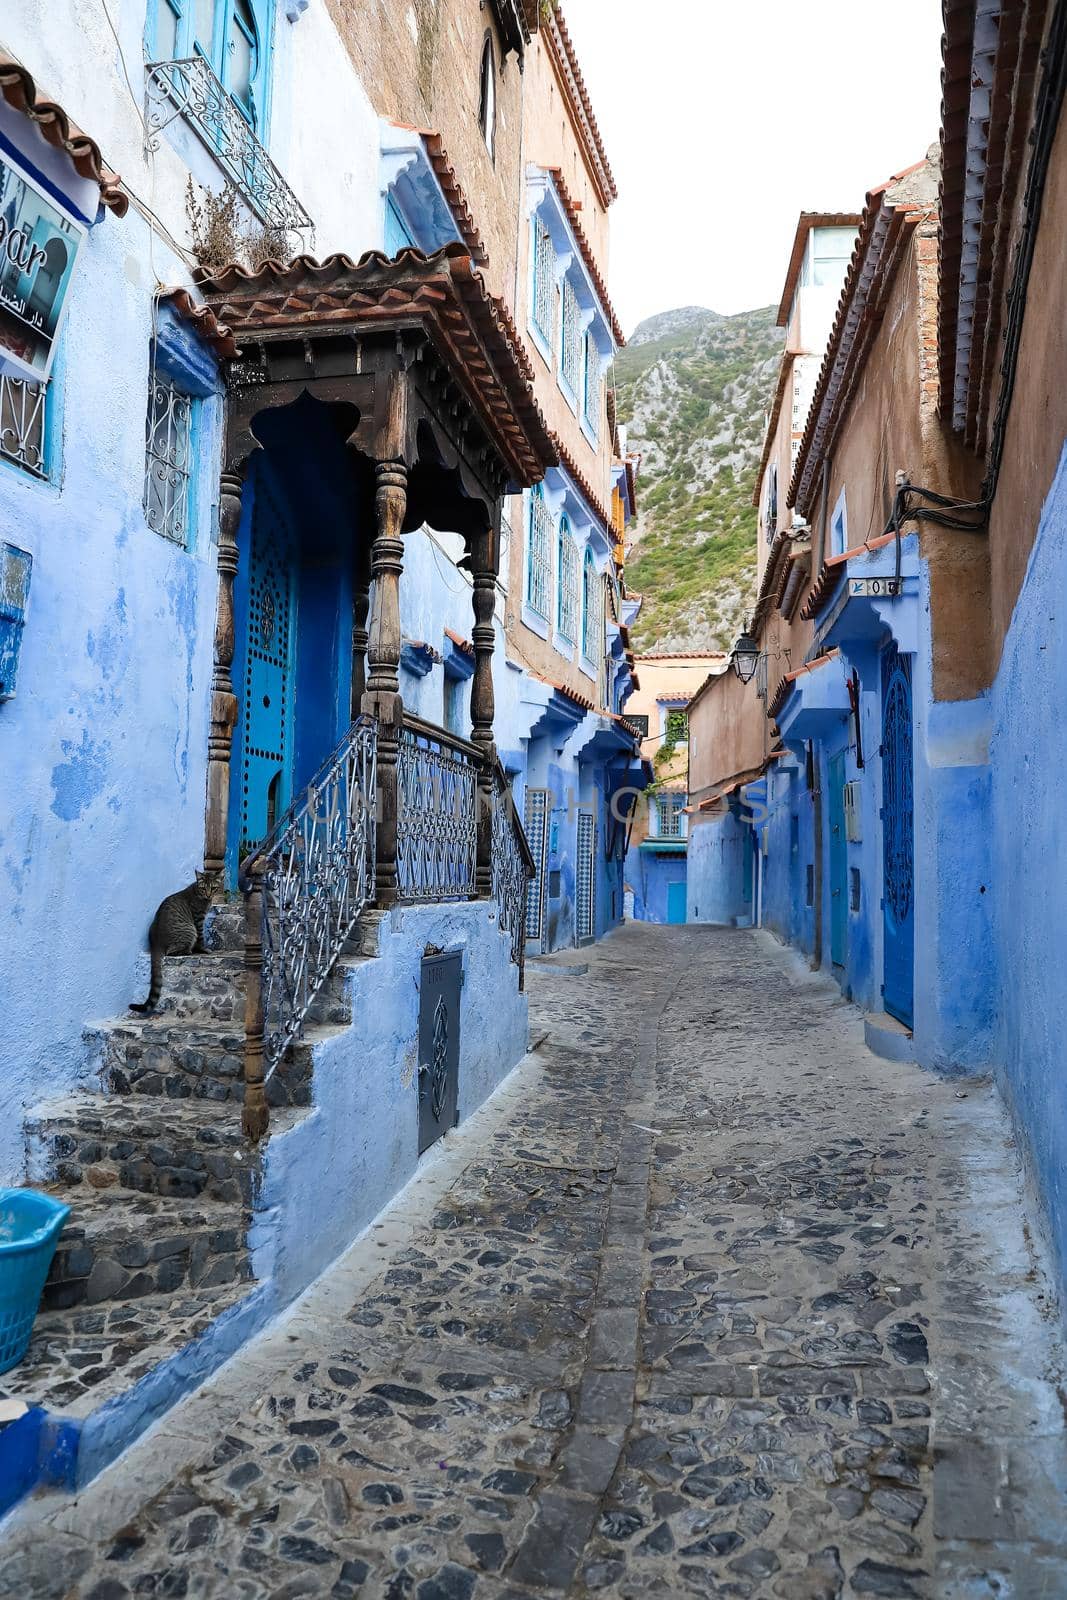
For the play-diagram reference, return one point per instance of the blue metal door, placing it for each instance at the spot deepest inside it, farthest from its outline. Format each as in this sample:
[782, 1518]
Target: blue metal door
[267, 690]
[676, 902]
[898, 838]
[838, 863]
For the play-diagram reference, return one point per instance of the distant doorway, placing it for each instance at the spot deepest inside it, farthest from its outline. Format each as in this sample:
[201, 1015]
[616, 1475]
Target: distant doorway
[838, 863]
[898, 838]
[676, 902]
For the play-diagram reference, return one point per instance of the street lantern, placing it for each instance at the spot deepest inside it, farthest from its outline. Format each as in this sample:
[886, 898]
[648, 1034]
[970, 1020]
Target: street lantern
[745, 657]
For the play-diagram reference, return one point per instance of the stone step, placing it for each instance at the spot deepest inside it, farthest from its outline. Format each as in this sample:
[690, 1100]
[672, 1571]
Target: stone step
[178, 1149]
[82, 1358]
[122, 1246]
[224, 929]
[185, 1058]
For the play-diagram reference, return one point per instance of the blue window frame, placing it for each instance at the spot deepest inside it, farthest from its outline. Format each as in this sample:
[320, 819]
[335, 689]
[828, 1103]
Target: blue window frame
[397, 233]
[233, 37]
[543, 302]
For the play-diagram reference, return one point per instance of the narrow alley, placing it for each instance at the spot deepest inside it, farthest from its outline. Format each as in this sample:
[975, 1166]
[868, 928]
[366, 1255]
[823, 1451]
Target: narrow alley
[706, 1300]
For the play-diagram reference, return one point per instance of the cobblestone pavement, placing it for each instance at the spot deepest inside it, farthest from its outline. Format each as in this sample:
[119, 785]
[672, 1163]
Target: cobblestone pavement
[708, 1301]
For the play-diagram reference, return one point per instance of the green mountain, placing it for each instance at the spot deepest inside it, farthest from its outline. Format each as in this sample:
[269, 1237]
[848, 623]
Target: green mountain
[693, 390]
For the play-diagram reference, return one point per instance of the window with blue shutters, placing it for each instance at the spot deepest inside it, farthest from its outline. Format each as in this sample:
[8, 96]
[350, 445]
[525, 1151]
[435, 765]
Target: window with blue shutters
[539, 554]
[397, 233]
[591, 385]
[232, 36]
[571, 337]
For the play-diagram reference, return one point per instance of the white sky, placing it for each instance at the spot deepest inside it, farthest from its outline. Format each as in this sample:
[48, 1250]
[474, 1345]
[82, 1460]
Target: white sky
[723, 119]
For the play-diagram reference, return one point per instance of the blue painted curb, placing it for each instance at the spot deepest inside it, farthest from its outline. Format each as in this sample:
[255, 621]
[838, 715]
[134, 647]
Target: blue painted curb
[36, 1451]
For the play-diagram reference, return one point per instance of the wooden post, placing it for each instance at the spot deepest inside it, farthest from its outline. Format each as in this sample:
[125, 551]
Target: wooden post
[360, 636]
[483, 704]
[381, 697]
[255, 1116]
[223, 699]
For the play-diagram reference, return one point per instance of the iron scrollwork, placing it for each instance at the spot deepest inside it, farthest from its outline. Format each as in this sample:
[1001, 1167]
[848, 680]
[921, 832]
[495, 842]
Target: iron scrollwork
[436, 825]
[513, 868]
[317, 875]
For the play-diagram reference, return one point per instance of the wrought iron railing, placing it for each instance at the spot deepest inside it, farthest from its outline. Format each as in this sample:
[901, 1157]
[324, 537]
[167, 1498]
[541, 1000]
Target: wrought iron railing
[437, 813]
[304, 889]
[190, 90]
[513, 868]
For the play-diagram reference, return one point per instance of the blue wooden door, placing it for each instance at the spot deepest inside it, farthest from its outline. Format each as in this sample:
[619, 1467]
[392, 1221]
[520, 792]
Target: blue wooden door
[898, 838]
[267, 691]
[676, 902]
[838, 863]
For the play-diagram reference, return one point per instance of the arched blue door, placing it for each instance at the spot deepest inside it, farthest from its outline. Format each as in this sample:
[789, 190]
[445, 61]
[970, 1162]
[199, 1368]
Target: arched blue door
[898, 838]
[267, 689]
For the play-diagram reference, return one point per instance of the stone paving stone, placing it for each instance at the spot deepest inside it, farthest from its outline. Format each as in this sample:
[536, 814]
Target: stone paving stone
[723, 1307]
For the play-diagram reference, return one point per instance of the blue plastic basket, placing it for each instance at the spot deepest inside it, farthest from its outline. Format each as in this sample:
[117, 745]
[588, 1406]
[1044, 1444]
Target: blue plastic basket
[30, 1225]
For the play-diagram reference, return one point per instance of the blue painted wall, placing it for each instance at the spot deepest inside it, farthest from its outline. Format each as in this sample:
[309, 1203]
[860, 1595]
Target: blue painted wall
[1029, 862]
[649, 874]
[716, 869]
[103, 749]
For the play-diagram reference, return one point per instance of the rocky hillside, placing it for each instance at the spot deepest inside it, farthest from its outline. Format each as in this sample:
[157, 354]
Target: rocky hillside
[693, 392]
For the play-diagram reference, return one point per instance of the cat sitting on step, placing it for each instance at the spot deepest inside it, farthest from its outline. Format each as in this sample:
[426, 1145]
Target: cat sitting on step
[177, 930]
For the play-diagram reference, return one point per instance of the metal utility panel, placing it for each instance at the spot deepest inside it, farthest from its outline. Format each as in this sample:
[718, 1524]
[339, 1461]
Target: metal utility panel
[439, 992]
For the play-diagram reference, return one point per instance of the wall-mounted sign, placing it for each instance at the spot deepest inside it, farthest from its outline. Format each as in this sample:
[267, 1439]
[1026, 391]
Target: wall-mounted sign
[877, 588]
[39, 246]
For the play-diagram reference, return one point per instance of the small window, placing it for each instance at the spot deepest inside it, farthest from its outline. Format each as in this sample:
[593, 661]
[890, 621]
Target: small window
[839, 527]
[168, 459]
[487, 97]
[454, 704]
[670, 815]
[772, 499]
[676, 727]
[225, 33]
[854, 891]
[538, 554]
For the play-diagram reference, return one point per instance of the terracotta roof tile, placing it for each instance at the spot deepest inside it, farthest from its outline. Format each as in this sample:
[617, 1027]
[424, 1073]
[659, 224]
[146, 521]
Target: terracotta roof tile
[805, 222]
[564, 59]
[460, 642]
[453, 192]
[589, 494]
[203, 319]
[884, 228]
[20, 91]
[830, 571]
[574, 217]
[472, 329]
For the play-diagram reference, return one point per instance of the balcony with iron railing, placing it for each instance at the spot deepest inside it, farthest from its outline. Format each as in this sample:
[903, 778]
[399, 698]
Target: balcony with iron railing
[189, 90]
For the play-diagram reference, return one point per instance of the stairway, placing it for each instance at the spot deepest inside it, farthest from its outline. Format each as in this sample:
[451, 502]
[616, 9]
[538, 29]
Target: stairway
[161, 1184]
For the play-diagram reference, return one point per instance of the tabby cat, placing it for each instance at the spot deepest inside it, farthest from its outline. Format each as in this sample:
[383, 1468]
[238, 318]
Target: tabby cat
[177, 930]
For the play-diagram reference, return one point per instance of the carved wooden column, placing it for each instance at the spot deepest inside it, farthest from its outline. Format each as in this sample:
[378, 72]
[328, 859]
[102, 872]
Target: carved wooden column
[483, 704]
[223, 699]
[381, 698]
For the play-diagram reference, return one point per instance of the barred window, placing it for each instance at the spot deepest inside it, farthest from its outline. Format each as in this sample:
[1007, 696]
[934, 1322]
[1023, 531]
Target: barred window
[670, 809]
[544, 281]
[567, 620]
[591, 394]
[571, 338]
[592, 611]
[539, 554]
[168, 459]
[24, 423]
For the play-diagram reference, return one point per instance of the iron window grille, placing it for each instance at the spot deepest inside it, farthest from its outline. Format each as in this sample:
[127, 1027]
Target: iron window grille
[568, 583]
[571, 337]
[503, 566]
[592, 611]
[592, 386]
[536, 825]
[670, 819]
[168, 459]
[585, 879]
[544, 282]
[190, 90]
[539, 560]
[24, 424]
